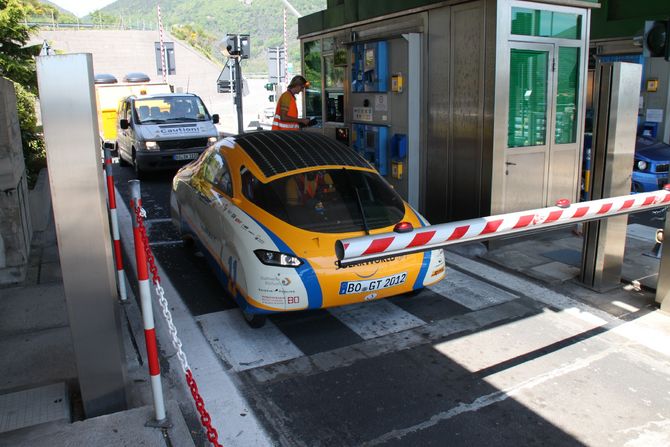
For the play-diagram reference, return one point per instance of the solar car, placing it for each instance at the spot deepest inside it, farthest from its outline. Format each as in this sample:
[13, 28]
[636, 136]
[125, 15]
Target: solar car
[266, 209]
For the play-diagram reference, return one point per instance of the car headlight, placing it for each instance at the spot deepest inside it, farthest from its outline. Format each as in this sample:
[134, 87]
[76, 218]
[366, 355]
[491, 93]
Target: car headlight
[151, 146]
[211, 140]
[641, 165]
[277, 259]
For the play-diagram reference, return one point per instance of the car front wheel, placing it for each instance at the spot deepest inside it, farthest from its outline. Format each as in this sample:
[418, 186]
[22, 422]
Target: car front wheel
[254, 320]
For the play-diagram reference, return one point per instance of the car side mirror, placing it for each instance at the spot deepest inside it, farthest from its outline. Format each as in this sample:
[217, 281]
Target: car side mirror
[215, 118]
[123, 123]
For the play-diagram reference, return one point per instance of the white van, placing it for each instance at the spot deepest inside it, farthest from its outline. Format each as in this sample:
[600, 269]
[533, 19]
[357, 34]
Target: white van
[163, 131]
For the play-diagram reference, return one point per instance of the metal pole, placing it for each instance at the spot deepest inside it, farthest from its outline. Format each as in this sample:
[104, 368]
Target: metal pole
[162, 44]
[145, 301]
[111, 194]
[72, 139]
[238, 95]
[663, 284]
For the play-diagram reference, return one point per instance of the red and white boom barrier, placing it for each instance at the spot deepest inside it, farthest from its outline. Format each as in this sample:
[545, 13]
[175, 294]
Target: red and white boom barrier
[111, 194]
[359, 249]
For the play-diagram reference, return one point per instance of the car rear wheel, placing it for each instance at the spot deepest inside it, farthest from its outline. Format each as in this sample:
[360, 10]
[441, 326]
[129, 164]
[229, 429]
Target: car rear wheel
[254, 320]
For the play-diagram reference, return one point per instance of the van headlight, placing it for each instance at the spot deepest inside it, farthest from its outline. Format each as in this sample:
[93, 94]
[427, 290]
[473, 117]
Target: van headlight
[151, 146]
[211, 140]
[277, 259]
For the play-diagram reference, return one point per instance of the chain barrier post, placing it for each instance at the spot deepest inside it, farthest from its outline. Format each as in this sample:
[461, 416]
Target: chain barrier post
[111, 194]
[147, 310]
[140, 232]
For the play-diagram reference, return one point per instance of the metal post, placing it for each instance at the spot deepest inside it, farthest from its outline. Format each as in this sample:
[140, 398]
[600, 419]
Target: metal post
[663, 284]
[616, 104]
[111, 202]
[238, 94]
[68, 111]
[147, 309]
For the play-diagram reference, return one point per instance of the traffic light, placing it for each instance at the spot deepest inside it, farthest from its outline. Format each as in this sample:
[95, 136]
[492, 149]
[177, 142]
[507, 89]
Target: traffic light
[271, 98]
[269, 86]
[656, 40]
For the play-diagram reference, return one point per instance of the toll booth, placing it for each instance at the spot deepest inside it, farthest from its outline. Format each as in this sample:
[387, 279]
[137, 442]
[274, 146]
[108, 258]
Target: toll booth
[466, 108]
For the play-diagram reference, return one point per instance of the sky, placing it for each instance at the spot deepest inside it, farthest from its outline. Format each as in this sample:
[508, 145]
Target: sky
[82, 7]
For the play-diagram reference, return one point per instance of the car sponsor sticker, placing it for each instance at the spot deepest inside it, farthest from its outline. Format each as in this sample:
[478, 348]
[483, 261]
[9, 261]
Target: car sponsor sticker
[349, 287]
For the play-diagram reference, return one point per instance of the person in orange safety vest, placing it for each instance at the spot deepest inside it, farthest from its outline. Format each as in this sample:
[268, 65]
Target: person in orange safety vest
[286, 113]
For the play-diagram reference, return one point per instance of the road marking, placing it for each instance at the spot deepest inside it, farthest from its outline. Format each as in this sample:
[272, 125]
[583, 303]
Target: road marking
[162, 243]
[470, 292]
[489, 399]
[369, 349]
[243, 347]
[375, 319]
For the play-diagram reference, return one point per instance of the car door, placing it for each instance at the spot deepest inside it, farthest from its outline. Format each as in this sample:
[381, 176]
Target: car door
[214, 191]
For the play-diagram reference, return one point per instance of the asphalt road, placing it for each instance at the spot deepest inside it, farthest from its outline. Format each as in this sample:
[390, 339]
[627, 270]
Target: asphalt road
[476, 361]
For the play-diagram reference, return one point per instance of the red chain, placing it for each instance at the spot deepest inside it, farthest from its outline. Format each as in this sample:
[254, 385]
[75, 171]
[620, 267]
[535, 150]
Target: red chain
[205, 419]
[147, 249]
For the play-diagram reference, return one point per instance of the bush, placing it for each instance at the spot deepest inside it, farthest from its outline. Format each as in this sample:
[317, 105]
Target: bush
[34, 151]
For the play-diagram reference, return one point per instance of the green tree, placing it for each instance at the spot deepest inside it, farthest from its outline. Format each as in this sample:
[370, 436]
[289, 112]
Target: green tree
[17, 64]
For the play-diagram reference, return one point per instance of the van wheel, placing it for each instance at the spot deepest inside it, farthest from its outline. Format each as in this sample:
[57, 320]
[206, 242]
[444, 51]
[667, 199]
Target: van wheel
[140, 174]
[254, 320]
[122, 161]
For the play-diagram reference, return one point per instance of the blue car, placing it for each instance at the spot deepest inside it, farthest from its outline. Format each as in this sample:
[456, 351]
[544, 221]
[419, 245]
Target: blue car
[650, 168]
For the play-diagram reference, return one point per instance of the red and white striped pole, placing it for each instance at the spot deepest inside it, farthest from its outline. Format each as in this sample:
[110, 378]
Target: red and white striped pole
[354, 250]
[145, 301]
[111, 194]
[162, 43]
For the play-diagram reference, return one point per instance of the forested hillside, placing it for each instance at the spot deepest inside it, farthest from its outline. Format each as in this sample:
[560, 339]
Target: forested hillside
[203, 23]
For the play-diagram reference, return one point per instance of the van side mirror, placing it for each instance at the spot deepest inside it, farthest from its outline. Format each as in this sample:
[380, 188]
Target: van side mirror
[215, 118]
[123, 123]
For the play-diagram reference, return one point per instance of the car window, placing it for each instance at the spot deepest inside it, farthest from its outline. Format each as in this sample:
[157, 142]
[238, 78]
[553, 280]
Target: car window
[215, 171]
[328, 201]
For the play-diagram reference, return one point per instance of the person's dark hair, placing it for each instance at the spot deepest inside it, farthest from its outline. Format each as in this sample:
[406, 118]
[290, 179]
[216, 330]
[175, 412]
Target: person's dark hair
[297, 80]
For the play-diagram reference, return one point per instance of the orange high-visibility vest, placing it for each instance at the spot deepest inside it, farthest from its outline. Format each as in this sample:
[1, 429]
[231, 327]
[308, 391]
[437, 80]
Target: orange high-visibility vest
[277, 123]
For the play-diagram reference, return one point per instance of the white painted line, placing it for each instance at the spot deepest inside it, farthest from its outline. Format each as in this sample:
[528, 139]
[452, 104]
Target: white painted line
[153, 221]
[528, 288]
[230, 413]
[243, 347]
[489, 399]
[161, 243]
[469, 291]
[375, 319]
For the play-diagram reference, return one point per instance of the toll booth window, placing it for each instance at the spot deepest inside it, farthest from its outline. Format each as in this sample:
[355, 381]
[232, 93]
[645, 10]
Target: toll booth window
[567, 94]
[535, 22]
[527, 98]
[334, 78]
[312, 63]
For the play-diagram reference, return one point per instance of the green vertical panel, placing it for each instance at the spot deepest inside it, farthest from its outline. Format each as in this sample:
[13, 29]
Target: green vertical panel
[527, 98]
[567, 93]
[312, 61]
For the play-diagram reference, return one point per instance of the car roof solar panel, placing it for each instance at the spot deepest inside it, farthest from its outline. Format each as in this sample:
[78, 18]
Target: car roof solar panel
[280, 151]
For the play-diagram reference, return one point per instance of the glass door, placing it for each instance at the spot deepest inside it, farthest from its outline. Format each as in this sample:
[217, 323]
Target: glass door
[529, 128]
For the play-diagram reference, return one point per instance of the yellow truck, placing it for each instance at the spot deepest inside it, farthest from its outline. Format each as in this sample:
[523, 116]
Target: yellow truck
[108, 94]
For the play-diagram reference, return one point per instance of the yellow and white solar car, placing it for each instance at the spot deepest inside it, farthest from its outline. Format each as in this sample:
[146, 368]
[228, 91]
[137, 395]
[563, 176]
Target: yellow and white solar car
[266, 208]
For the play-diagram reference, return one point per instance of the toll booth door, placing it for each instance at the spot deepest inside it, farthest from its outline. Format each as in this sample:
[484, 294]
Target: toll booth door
[530, 101]
[542, 154]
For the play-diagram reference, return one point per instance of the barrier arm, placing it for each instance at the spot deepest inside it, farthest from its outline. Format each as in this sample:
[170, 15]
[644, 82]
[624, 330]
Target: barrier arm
[353, 251]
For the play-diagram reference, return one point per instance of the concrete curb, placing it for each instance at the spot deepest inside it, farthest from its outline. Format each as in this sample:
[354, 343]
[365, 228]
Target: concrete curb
[40, 202]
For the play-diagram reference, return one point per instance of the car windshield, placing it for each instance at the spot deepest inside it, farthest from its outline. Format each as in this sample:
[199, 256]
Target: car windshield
[328, 201]
[167, 109]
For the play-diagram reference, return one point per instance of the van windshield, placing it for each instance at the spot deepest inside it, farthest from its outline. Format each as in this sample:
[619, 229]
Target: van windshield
[166, 109]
